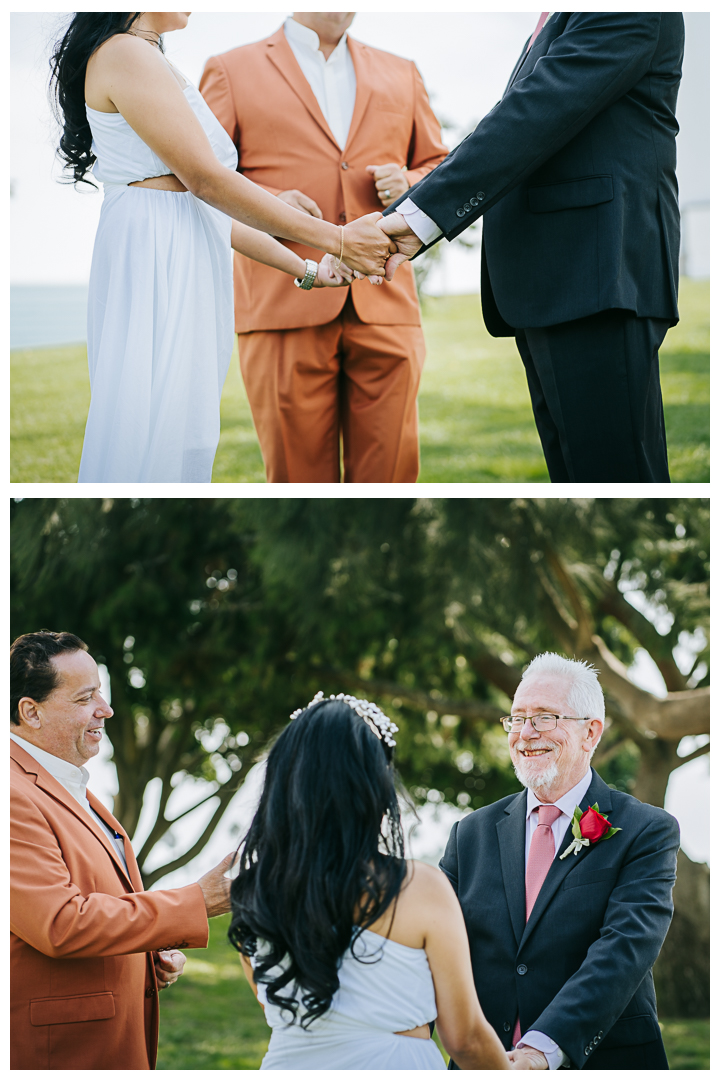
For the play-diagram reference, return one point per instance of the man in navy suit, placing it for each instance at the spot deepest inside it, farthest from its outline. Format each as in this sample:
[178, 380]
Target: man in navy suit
[574, 172]
[563, 941]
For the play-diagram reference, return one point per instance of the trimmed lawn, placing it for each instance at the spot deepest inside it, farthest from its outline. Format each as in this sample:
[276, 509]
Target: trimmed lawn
[476, 423]
[210, 1020]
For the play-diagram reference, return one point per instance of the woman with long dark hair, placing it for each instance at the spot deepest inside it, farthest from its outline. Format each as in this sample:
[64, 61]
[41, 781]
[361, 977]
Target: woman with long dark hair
[351, 949]
[160, 308]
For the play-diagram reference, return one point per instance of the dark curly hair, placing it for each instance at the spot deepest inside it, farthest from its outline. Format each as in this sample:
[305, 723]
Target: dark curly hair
[32, 673]
[324, 854]
[86, 33]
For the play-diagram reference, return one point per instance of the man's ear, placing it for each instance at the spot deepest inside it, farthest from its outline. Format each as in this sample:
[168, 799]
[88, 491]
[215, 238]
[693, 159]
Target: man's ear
[595, 730]
[28, 713]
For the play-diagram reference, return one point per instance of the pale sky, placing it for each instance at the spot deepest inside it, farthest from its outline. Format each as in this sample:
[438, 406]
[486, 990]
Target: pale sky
[465, 59]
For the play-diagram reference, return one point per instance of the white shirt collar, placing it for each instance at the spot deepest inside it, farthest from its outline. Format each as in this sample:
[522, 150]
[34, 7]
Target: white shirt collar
[566, 802]
[304, 36]
[62, 770]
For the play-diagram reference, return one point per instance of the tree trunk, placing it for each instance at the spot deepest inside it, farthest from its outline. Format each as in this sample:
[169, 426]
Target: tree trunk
[682, 971]
[658, 758]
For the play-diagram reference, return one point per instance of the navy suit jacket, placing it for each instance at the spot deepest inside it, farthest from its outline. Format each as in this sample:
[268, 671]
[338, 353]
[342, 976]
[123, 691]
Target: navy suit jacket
[580, 970]
[574, 172]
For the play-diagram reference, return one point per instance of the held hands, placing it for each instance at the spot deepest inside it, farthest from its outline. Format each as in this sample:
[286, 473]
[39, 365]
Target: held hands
[527, 1058]
[367, 247]
[407, 243]
[168, 967]
[390, 180]
[332, 274]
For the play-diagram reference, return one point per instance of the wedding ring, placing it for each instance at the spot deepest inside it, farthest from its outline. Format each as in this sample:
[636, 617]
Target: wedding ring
[386, 193]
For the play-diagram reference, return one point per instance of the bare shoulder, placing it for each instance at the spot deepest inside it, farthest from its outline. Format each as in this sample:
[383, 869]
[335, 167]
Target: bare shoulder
[427, 884]
[126, 53]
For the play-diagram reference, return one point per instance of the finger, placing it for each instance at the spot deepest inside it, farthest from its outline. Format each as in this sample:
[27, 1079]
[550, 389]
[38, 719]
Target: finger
[375, 280]
[310, 206]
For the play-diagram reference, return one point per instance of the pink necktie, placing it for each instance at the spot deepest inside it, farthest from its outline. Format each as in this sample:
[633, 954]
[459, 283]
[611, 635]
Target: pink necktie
[542, 853]
[538, 28]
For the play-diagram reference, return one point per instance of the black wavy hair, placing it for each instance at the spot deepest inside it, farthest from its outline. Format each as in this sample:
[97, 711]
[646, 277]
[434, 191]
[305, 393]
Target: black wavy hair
[86, 33]
[324, 854]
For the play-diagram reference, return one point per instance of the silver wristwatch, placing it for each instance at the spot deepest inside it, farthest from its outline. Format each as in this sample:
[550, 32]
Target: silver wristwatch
[311, 269]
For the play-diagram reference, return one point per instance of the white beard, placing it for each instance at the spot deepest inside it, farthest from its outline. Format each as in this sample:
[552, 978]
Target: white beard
[532, 777]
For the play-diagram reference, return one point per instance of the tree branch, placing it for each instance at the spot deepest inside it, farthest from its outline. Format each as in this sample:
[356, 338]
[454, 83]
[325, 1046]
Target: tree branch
[225, 794]
[613, 602]
[697, 752]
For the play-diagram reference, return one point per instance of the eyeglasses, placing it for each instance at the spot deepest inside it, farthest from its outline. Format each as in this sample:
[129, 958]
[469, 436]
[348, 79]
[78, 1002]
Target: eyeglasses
[541, 722]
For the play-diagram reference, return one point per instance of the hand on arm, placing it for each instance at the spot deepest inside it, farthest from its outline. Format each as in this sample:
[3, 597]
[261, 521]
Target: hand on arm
[390, 181]
[301, 202]
[216, 887]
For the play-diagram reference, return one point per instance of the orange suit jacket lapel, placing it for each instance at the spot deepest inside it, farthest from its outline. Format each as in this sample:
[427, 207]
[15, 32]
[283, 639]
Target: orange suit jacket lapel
[53, 787]
[362, 62]
[282, 56]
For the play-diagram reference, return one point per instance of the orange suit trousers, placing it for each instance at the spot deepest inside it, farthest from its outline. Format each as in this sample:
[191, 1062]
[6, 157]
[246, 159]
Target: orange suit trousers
[346, 389]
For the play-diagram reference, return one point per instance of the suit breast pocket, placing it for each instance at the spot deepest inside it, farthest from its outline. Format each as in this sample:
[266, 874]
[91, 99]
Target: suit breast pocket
[590, 877]
[570, 194]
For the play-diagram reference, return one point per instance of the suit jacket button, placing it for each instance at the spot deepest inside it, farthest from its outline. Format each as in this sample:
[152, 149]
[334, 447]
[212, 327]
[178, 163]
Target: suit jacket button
[480, 196]
[600, 1034]
[467, 207]
[521, 969]
[460, 212]
[343, 216]
[150, 992]
[587, 1051]
[344, 165]
[506, 1026]
[473, 201]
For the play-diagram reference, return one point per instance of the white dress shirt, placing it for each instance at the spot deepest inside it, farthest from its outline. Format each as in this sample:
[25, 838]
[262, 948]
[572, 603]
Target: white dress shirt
[567, 803]
[423, 226]
[332, 81]
[75, 781]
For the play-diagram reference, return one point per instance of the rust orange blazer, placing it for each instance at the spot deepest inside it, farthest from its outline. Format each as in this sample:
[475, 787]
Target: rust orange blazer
[261, 97]
[83, 988]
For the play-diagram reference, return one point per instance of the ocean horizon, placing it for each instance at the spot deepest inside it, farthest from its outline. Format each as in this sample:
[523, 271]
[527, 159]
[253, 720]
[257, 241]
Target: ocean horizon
[44, 315]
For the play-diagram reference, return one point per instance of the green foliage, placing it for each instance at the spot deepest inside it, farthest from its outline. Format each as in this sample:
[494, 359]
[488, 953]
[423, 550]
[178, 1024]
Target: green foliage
[476, 423]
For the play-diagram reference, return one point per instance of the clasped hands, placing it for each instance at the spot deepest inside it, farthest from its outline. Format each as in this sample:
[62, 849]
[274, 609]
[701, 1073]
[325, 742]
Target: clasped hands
[373, 247]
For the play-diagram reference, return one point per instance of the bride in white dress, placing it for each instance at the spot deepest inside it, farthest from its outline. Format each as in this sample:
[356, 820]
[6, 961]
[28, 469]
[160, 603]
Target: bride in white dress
[160, 306]
[351, 950]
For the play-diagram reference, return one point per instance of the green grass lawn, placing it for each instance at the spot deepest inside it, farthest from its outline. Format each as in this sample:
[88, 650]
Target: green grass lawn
[476, 423]
[210, 1019]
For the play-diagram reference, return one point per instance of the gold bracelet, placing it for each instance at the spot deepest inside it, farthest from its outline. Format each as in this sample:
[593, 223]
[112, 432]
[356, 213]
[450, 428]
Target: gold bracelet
[342, 242]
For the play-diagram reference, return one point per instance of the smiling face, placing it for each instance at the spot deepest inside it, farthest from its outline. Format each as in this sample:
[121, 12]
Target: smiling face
[550, 763]
[70, 722]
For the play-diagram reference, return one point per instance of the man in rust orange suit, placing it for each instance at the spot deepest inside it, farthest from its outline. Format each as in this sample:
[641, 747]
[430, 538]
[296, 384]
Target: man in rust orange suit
[339, 130]
[89, 949]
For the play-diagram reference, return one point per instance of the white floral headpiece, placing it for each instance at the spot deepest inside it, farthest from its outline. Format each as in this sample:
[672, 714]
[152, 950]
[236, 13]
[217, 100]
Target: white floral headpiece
[380, 724]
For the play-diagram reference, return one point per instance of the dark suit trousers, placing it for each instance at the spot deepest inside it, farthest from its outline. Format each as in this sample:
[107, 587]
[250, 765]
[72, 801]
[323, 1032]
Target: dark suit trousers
[595, 391]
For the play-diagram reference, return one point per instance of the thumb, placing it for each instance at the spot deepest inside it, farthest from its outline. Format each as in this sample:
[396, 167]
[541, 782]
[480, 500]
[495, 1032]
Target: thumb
[228, 861]
[371, 168]
[392, 264]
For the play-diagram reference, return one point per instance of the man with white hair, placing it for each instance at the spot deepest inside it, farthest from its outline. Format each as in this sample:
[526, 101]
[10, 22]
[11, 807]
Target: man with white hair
[566, 889]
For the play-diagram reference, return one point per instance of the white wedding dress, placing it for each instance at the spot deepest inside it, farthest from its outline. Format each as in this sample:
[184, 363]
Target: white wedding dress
[160, 314]
[389, 989]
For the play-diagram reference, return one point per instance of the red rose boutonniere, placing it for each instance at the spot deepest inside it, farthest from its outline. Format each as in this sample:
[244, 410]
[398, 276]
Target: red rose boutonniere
[588, 828]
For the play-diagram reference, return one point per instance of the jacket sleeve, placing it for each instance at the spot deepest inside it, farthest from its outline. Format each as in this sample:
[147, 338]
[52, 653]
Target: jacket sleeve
[426, 149]
[597, 59]
[216, 89]
[636, 921]
[449, 862]
[50, 912]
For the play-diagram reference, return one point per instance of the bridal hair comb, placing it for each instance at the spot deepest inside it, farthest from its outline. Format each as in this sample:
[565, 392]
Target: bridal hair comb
[374, 717]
